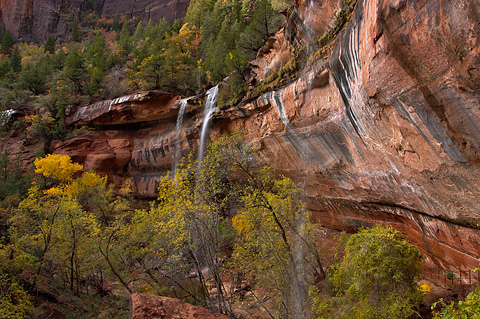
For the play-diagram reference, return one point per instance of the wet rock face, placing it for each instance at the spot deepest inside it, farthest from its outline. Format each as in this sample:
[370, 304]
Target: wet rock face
[411, 104]
[153, 307]
[387, 129]
[139, 107]
[41, 18]
[317, 14]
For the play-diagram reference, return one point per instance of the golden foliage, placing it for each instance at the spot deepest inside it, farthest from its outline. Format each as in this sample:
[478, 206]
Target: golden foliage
[58, 167]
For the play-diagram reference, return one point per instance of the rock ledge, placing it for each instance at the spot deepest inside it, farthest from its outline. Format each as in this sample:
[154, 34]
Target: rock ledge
[152, 307]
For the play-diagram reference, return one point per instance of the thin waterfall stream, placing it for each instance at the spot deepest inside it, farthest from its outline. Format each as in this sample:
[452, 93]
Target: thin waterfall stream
[296, 141]
[178, 135]
[210, 108]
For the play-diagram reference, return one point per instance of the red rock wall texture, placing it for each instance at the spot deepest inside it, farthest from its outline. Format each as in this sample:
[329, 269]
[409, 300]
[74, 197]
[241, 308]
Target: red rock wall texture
[147, 9]
[156, 307]
[41, 18]
[386, 129]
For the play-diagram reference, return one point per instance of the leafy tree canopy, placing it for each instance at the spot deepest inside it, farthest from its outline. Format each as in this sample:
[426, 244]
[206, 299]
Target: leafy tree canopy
[375, 279]
[57, 167]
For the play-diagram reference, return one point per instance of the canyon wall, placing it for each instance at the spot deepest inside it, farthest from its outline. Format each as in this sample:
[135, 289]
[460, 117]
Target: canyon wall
[40, 18]
[386, 129]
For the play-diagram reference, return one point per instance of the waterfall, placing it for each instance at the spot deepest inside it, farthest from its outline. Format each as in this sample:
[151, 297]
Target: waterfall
[5, 116]
[277, 96]
[210, 108]
[177, 142]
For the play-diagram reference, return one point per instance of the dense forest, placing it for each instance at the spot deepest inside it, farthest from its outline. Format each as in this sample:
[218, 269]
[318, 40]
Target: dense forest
[225, 233]
[106, 59]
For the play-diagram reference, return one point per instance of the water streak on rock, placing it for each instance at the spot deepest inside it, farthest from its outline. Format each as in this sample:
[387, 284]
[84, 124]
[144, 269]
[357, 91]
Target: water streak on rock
[210, 108]
[177, 137]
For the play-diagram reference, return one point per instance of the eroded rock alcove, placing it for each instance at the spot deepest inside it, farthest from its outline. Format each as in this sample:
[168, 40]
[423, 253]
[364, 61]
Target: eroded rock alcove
[386, 129]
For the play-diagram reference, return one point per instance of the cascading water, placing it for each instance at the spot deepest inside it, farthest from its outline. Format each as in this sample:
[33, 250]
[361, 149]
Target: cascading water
[210, 108]
[178, 135]
[5, 116]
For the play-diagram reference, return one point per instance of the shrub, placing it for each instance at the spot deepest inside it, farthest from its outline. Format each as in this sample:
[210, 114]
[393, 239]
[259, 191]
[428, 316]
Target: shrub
[468, 308]
[14, 301]
[375, 279]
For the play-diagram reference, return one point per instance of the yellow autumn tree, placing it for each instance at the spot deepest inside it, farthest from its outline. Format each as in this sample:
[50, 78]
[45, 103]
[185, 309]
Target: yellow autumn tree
[57, 167]
[276, 243]
[62, 225]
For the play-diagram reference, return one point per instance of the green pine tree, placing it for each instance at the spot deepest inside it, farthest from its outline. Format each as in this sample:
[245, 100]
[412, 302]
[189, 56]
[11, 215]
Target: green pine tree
[33, 77]
[149, 29]
[197, 11]
[139, 31]
[16, 60]
[265, 21]
[223, 45]
[7, 43]
[75, 34]
[2, 31]
[125, 39]
[116, 24]
[50, 45]
[74, 71]
[96, 58]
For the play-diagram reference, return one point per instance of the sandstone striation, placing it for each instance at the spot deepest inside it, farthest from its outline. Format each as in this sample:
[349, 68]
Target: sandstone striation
[155, 10]
[386, 129]
[139, 107]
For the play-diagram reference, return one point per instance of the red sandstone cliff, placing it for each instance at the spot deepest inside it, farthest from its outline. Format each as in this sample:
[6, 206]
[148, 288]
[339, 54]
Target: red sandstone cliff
[25, 18]
[386, 129]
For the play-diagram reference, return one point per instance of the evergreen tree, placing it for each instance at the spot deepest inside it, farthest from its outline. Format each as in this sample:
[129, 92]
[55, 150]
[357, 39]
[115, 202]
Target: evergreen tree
[33, 77]
[224, 44]
[74, 71]
[218, 16]
[2, 31]
[156, 31]
[57, 60]
[125, 41]
[176, 26]
[96, 53]
[12, 179]
[149, 29]
[96, 58]
[7, 43]
[4, 68]
[16, 60]
[75, 35]
[4, 166]
[197, 10]
[139, 30]
[116, 24]
[265, 21]
[50, 44]
[209, 33]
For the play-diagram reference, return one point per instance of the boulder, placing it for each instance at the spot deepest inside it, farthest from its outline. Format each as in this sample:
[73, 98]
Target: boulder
[156, 307]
